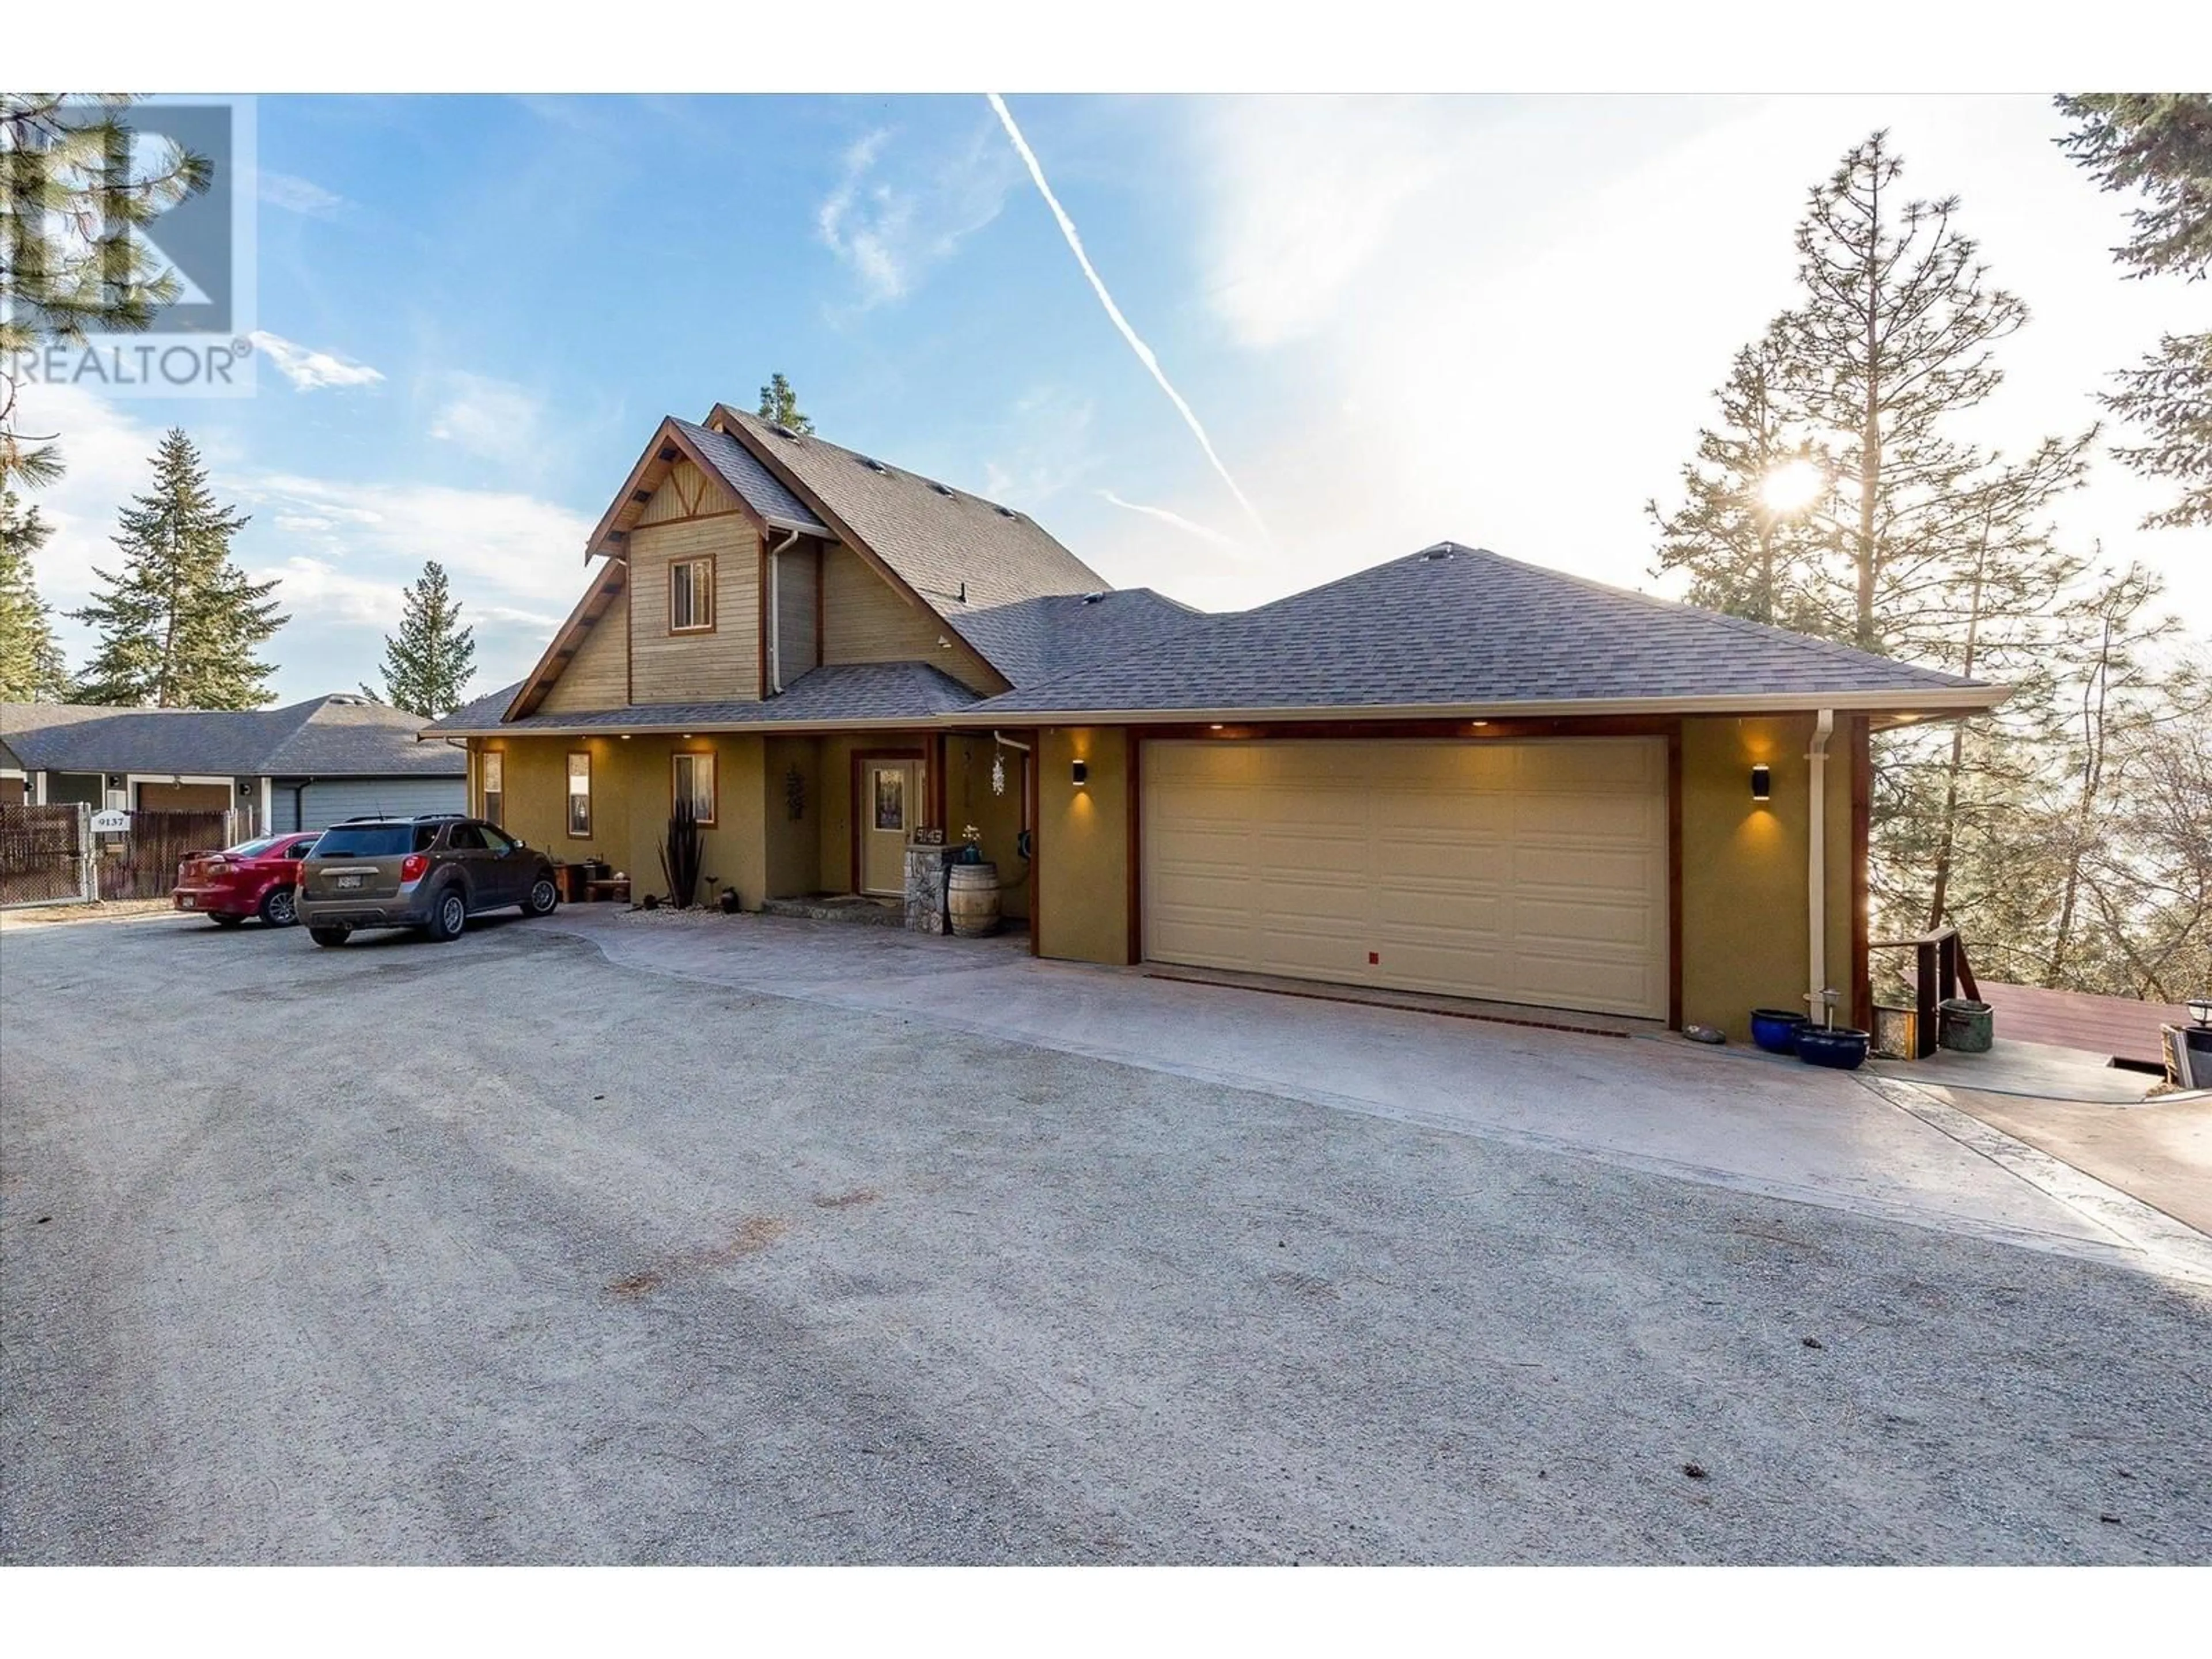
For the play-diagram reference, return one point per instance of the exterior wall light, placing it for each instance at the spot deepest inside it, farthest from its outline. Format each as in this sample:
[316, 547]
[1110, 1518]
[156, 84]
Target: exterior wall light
[2200, 1009]
[1081, 774]
[1762, 782]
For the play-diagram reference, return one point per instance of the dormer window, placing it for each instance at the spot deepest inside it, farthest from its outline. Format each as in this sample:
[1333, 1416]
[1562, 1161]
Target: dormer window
[691, 596]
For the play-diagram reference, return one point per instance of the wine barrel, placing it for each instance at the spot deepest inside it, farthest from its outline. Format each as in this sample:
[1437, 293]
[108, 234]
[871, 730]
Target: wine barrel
[971, 899]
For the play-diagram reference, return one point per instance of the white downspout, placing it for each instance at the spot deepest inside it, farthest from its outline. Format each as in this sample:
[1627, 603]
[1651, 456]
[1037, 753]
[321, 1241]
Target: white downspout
[1818, 994]
[775, 614]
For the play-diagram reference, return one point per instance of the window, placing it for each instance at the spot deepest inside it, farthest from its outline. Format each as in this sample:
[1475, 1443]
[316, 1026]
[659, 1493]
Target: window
[365, 840]
[691, 596]
[695, 783]
[494, 841]
[464, 838]
[579, 794]
[495, 784]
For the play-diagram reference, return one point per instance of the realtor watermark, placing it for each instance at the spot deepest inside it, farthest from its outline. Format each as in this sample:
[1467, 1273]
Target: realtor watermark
[198, 341]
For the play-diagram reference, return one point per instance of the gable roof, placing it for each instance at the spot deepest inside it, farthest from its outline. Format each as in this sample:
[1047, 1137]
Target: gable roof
[960, 555]
[1453, 627]
[335, 736]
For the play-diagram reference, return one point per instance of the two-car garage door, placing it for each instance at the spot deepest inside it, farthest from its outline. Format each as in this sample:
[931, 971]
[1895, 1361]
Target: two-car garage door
[1517, 872]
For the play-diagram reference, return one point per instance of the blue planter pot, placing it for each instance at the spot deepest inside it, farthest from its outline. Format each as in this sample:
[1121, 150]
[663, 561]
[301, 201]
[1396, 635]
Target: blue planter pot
[1838, 1046]
[1775, 1030]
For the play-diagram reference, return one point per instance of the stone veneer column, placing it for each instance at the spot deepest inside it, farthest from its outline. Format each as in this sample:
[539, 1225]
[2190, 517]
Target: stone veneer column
[924, 887]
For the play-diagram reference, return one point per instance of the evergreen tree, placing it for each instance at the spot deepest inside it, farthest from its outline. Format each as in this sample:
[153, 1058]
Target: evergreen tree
[180, 623]
[2161, 144]
[1890, 343]
[427, 663]
[779, 403]
[75, 186]
[30, 666]
[1746, 531]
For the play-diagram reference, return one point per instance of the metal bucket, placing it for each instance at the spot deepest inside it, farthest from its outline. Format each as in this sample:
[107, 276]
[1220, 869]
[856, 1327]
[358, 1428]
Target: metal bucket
[1963, 1025]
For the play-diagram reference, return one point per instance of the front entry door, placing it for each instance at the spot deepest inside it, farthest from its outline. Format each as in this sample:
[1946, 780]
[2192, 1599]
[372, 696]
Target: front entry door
[888, 808]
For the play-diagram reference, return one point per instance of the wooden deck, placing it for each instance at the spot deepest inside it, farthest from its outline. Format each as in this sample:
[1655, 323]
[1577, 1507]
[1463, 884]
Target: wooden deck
[2074, 1019]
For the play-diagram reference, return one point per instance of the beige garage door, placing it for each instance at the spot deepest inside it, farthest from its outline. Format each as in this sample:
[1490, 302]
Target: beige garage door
[1530, 872]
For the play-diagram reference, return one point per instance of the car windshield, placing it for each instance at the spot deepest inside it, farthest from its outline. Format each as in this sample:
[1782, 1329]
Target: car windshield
[365, 840]
[254, 848]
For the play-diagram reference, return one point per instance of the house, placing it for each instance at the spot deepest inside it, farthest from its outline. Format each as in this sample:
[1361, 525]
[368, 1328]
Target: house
[1451, 773]
[303, 767]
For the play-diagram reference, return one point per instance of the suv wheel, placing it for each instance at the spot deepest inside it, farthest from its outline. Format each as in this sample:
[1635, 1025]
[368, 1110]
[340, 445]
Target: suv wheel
[278, 909]
[448, 915]
[544, 898]
[329, 935]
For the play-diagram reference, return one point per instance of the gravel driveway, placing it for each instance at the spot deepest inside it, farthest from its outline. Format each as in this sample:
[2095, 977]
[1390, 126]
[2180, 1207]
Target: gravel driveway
[497, 1252]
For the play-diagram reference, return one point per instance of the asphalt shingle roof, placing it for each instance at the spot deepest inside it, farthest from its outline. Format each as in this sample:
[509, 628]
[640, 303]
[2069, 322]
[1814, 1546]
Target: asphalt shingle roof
[760, 489]
[1034, 639]
[480, 714]
[337, 736]
[1454, 626]
[842, 694]
[966, 557]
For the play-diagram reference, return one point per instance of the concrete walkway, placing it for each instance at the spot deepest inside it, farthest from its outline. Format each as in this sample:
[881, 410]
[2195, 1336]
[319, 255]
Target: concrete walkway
[1724, 1117]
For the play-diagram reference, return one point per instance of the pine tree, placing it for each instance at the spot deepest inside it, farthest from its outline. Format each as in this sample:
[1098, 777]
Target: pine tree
[75, 186]
[779, 403]
[427, 663]
[1890, 342]
[30, 666]
[1745, 532]
[2161, 144]
[180, 623]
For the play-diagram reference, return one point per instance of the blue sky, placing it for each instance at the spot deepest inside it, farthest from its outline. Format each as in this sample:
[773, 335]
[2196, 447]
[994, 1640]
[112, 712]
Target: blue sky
[1493, 319]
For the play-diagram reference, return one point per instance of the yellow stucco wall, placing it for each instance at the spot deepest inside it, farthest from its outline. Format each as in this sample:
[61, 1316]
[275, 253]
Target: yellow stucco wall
[969, 800]
[1745, 920]
[632, 795]
[1083, 845]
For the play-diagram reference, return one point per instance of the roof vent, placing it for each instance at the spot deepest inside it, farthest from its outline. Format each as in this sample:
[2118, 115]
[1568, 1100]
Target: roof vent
[783, 431]
[871, 464]
[1441, 550]
[1008, 513]
[943, 490]
[1092, 599]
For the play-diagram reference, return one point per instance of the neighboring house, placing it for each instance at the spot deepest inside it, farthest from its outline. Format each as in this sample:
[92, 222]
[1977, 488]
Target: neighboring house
[1451, 773]
[301, 768]
[14, 783]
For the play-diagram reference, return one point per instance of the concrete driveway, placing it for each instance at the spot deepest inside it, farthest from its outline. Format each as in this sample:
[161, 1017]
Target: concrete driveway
[644, 1240]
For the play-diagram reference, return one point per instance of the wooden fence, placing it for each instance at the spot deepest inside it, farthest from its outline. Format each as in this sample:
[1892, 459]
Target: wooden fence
[143, 862]
[42, 855]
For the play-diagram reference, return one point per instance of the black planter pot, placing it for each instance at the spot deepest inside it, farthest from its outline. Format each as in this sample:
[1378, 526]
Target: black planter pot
[1838, 1046]
[1775, 1030]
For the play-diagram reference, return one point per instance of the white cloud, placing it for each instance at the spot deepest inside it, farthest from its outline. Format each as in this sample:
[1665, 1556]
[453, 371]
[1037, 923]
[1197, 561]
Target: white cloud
[308, 369]
[890, 218]
[344, 550]
[493, 420]
[297, 195]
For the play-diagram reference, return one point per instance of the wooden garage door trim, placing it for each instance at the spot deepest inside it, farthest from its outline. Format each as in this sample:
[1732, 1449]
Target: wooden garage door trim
[1666, 727]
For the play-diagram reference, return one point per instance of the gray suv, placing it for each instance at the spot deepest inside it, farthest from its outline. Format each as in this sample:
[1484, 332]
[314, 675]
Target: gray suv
[433, 872]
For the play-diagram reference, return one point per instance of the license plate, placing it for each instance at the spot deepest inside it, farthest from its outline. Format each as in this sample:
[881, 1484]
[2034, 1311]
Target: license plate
[187, 903]
[349, 881]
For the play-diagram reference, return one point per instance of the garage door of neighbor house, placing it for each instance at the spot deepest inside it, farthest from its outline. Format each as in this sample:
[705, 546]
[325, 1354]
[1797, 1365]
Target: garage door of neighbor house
[322, 805]
[1532, 872]
[184, 797]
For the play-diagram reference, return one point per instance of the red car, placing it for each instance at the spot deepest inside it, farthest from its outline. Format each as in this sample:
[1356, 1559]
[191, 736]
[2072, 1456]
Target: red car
[254, 879]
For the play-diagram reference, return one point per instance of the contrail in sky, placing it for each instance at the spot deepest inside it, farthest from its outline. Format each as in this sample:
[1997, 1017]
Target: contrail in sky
[1190, 527]
[1144, 352]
